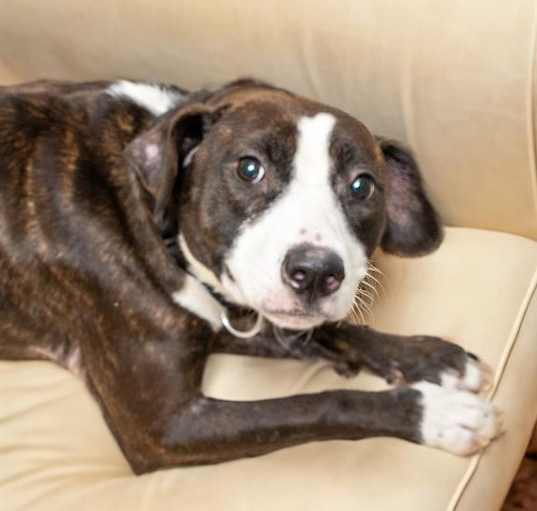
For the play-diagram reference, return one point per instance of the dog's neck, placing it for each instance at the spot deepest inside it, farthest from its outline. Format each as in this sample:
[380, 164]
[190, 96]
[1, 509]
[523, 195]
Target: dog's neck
[229, 311]
[199, 270]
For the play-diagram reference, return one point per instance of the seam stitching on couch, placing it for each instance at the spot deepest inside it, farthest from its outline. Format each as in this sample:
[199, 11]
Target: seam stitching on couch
[532, 116]
[500, 370]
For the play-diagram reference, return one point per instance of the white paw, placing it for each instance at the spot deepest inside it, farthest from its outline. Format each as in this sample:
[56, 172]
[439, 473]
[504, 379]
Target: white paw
[477, 377]
[457, 421]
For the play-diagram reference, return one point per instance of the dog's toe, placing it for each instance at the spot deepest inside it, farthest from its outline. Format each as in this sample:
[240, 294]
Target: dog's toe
[476, 377]
[347, 369]
[456, 421]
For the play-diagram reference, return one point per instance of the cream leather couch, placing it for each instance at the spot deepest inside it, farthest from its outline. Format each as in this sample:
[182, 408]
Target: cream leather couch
[455, 80]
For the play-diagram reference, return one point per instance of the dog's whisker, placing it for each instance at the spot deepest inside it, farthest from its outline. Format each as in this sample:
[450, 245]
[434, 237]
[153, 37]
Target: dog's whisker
[356, 312]
[364, 304]
[361, 308]
[375, 280]
[366, 311]
[362, 292]
[361, 318]
[365, 282]
[374, 268]
[287, 339]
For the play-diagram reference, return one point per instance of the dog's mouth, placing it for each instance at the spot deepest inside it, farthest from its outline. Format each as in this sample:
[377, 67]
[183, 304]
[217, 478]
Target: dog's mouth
[294, 319]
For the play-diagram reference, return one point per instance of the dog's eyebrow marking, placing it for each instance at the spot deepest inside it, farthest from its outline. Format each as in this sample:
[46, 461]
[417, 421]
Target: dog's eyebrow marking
[154, 98]
[194, 297]
[312, 159]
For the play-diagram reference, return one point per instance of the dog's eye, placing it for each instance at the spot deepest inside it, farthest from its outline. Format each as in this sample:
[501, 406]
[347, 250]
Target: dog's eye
[250, 169]
[363, 187]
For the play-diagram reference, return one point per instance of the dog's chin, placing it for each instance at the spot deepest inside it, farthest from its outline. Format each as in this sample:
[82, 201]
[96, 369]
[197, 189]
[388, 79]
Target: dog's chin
[294, 321]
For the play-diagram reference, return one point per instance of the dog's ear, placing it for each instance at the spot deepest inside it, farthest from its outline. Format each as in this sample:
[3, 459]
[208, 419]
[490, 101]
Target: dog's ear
[413, 227]
[158, 154]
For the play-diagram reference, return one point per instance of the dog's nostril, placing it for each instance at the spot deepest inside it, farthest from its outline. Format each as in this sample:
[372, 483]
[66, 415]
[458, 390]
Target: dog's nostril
[299, 279]
[332, 283]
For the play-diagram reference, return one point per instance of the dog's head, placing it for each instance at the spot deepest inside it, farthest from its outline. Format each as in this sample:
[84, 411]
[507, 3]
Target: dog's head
[279, 201]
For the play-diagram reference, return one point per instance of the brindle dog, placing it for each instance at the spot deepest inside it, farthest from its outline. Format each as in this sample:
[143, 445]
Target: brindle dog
[137, 219]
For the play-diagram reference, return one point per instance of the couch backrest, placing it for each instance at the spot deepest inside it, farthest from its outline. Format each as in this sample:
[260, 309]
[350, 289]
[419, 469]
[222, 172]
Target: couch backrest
[455, 80]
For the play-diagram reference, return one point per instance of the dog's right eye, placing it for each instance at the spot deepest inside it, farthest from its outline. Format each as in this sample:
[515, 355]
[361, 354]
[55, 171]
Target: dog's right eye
[250, 169]
[363, 187]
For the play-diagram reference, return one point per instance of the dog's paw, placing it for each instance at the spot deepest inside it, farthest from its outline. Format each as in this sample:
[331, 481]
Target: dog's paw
[455, 420]
[432, 359]
[347, 368]
[475, 377]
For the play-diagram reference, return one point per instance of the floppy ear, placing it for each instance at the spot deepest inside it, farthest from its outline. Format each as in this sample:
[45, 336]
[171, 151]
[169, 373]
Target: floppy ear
[158, 154]
[413, 227]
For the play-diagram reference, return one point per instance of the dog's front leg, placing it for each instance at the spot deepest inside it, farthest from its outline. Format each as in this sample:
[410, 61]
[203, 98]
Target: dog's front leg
[395, 358]
[400, 359]
[266, 344]
[155, 407]
[211, 431]
[206, 430]
[260, 345]
[291, 345]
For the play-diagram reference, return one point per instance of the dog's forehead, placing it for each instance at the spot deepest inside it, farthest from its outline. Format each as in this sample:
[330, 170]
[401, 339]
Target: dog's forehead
[277, 111]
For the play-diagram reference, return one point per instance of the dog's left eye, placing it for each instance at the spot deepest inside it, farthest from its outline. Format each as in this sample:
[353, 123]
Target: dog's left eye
[250, 169]
[363, 187]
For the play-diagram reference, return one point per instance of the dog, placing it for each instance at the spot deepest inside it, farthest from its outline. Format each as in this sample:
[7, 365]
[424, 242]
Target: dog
[144, 227]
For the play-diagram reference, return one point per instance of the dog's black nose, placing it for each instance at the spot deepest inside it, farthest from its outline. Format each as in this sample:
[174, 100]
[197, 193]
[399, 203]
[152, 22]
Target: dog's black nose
[313, 271]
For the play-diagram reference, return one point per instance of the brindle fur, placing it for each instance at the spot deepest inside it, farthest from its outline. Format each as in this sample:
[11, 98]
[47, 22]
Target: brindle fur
[86, 281]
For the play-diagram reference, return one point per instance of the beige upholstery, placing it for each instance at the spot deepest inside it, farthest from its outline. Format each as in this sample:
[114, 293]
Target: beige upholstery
[456, 80]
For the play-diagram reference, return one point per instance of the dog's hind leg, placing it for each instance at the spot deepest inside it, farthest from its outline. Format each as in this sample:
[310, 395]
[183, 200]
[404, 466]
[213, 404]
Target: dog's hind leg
[28, 347]
[21, 339]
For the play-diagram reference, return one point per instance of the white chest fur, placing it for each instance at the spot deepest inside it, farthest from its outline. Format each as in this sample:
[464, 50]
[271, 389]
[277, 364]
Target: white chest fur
[194, 297]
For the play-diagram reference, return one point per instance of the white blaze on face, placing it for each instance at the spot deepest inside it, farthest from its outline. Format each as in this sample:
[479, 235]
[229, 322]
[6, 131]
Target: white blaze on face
[308, 211]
